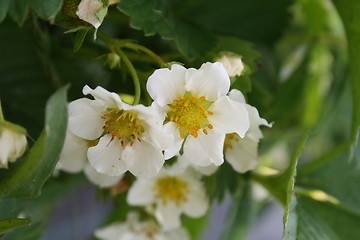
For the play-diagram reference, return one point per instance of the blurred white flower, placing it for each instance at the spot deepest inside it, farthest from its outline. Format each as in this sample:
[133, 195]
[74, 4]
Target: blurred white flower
[173, 191]
[92, 11]
[127, 133]
[73, 159]
[242, 153]
[197, 110]
[232, 63]
[13, 143]
[133, 229]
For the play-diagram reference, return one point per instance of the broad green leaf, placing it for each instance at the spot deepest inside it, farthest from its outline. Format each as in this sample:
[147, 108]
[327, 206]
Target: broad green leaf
[46, 9]
[239, 215]
[8, 224]
[18, 10]
[156, 16]
[79, 38]
[322, 220]
[4, 5]
[337, 174]
[281, 186]
[26, 179]
[349, 13]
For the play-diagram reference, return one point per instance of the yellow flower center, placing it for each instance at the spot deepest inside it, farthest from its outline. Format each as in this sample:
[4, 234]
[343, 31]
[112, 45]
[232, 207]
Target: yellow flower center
[229, 139]
[123, 124]
[170, 188]
[190, 114]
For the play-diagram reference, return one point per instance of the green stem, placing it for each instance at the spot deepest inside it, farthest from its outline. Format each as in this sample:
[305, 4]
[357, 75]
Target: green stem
[133, 74]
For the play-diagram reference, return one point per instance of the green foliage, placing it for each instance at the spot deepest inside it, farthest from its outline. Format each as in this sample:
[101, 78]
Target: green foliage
[6, 224]
[26, 180]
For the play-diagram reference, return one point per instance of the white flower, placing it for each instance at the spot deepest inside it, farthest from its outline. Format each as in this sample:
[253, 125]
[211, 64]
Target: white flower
[133, 229]
[174, 192]
[232, 63]
[92, 11]
[73, 159]
[242, 153]
[197, 109]
[131, 137]
[12, 144]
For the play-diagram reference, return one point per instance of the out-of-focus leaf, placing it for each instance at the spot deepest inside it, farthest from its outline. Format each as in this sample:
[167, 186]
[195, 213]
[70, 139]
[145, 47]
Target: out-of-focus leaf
[46, 9]
[27, 179]
[155, 16]
[10, 223]
[18, 10]
[348, 11]
[195, 226]
[4, 6]
[79, 38]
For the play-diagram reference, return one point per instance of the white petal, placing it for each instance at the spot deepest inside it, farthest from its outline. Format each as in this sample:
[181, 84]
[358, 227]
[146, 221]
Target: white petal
[73, 156]
[229, 116]
[85, 118]
[243, 154]
[105, 157]
[141, 192]
[87, 11]
[164, 85]
[255, 122]
[109, 99]
[236, 95]
[168, 215]
[176, 143]
[143, 159]
[197, 203]
[99, 179]
[111, 232]
[211, 81]
[205, 149]
[6, 146]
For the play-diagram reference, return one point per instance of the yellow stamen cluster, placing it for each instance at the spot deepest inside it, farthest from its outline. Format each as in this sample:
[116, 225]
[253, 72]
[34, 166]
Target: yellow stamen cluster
[122, 124]
[190, 114]
[230, 138]
[170, 188]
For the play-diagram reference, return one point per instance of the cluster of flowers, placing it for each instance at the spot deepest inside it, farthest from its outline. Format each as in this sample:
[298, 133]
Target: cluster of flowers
[193, 113]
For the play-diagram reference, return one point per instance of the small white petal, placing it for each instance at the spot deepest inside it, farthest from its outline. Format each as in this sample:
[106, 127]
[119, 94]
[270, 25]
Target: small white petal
[143, 159]
[236, 95]
[87, 11]
[229, 116]
[109, 99]
[197, 203]
[85, 118]
[164, 85]
[233, 64]
[254, 131]
[175, 145]
[168, 215]
[99, 179]
[141, 192]
[205, 149]
[211, 81]
[243, 154]
[73, 156]
[105, 157]
[111, 232]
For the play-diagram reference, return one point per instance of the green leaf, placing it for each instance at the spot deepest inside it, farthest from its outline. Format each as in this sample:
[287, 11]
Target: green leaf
[79, 38]
[156, 16]
[18, 10]
[349, 13]
[7, 224]
[337, 174]
[47, 9]
[281, 186]
[195, 226]
[4, 6]
[29, 176]
[316, 220]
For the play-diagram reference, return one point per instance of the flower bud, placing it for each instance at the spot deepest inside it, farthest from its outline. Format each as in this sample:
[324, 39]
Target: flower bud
[12, 143]
[113, 60]
[232, 63]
